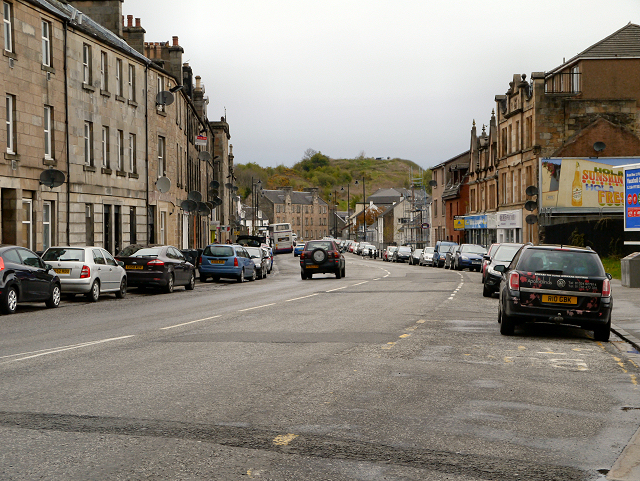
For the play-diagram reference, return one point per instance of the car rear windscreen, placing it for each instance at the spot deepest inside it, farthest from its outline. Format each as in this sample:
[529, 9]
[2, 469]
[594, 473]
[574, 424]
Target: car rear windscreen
[148, 252]
[561, 262]
[218, 251]
[64, 254]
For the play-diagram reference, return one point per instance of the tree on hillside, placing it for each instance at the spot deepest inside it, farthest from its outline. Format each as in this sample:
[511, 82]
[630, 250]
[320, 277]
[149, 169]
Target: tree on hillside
[316, 161]
[308, 154]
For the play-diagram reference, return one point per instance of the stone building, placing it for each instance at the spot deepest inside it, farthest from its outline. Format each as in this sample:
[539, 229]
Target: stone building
[307, 213]
[450, 198]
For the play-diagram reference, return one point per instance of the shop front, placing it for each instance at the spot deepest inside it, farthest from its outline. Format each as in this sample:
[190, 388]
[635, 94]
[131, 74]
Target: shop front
[509, 226]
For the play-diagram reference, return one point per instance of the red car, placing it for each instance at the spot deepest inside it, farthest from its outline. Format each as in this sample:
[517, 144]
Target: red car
[321, 257]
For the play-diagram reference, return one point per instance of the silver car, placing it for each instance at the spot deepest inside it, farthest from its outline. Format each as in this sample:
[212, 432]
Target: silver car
[87, 270]
[426, 257]
[259, 258]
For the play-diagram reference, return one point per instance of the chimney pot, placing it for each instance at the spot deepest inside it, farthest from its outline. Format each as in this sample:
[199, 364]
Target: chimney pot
[175, 41]
[129, 20]
[138, 23]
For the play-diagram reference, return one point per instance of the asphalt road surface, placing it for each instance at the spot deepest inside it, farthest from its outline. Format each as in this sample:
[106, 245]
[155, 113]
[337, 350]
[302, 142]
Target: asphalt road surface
[394, 372]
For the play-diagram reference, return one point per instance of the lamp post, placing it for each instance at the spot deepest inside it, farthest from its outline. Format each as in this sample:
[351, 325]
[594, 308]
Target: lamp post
[256, 188]
[348, 209]
[364, 211]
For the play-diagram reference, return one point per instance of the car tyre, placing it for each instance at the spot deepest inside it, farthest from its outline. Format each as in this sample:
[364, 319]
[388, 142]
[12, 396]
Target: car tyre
[10, 300]
[602, 334]
[94, 294]
[338, 273]
[254, 275]
[54, 300]
[192, 282]
[169, 287]
[215, 278]
[203, 278]
[241, 276]
[344, 272]
[507, 326]
[303, 275]
[122, 292]
[486, 292]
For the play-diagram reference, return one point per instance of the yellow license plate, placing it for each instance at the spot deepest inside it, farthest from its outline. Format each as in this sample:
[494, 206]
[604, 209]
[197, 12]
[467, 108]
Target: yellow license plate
[311, 267]
[559, 299]
[134, 267]
[217, 262]
[62, 271]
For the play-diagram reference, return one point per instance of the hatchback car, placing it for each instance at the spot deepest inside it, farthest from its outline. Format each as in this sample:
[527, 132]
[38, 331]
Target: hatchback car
[259, 258]
[402, 254]
[426, 256]
[487, 258]
[439, 252]
[298, 249]
[87, 270]
[24, 277]
[159, 266]
[387, 255]
[320, 257]
[414, 260]
[226, 261]
[492, 277]
[556, 284]
[468, 256]
[269, 253]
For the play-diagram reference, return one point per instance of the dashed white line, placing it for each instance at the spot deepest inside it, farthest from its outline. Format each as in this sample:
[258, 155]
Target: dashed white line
[337, 289]
[303, 297]
[257, 307]
[364, 282]
[190, 322]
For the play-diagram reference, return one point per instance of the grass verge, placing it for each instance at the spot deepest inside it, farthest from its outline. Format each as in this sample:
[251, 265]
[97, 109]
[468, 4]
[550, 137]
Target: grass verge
[612, 266]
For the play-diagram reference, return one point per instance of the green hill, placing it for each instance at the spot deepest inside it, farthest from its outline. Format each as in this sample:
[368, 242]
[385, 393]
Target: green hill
[331, 175]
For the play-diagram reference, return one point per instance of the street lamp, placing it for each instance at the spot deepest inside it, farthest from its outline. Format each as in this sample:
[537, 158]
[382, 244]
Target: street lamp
[364, 211]
[348, 209]
[256, 188]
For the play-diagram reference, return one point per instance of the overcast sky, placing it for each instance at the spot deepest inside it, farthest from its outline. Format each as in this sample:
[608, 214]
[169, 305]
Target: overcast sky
[401, 78]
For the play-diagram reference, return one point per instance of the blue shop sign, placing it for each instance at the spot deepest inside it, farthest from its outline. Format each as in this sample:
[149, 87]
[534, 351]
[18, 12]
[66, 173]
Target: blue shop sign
[632, 199]
[475, 222]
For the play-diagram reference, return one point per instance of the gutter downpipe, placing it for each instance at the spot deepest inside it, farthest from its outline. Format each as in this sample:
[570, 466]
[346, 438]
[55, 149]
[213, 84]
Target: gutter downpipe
[146, 145]
[66, 124]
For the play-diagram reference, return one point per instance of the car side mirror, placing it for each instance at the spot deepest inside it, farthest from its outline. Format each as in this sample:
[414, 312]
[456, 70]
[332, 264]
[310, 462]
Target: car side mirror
[48, 267]
[486, 257]
[500, 268]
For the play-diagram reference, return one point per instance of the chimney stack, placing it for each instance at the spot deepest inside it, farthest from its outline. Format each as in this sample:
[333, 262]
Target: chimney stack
[134, 36]
[107, 13]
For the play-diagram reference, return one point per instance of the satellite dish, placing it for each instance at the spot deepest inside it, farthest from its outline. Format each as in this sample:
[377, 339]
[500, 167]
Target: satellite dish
[235, 188]
[52, 178]
[531, 191]
[531, 219]
[530, 205]
[163, 184]
[433, 183]
[214, 184]
[210, 205]
[217, 201]
[599, 146]
[189, 206]
[204, 156]
[195, 196]
[229, 185]
[213, 192]
[203, 209]
[164, 98]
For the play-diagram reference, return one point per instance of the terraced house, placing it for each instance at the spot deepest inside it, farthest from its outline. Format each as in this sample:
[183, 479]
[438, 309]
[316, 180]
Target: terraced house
[306, 211]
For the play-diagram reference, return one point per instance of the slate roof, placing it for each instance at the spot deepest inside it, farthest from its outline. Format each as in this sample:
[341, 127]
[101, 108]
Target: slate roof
[388, 196]
[303, 198]
[624, 43]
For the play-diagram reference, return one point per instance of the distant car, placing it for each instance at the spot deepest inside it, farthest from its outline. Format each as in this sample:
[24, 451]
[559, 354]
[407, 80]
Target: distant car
[259, 258]
[298, 249]
[159, 266]
[24, 277]
[321, 256]
[487, 258]
[468, 256]
[556, 284]
[502, 257]
[447, 252]
[414, 260]
[269, 253]
[402, 254]
[426, 256]
[91, 271]
[228, 261]
[438, 255]
[387, 255]
[369, 250]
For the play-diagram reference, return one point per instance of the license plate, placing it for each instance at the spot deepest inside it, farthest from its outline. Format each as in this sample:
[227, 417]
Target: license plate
[311, 267]
[62, 271]
[559, 299]
[134, 267]
[217, 262]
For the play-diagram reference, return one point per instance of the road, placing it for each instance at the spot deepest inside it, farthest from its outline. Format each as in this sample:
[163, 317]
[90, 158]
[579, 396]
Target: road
[394, 372]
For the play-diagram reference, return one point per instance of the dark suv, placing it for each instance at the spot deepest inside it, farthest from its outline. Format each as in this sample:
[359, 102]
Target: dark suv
[321, 257]
[556, 284]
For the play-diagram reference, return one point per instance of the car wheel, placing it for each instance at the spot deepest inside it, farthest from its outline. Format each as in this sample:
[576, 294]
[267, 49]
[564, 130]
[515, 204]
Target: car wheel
[192, 282]
[169, 287]
[338, 273]
[203, 278]
[94, 294]
[54, 300]
[303, 275]
[123, 289]
[486, 292]
[10, 300]
[507, 327]
[602, 334]
[254, 275]
[241, 276]
[310, 276]
[344, 272]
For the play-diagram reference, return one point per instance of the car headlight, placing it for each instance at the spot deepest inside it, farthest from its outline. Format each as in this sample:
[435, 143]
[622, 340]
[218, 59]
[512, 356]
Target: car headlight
[464, 258]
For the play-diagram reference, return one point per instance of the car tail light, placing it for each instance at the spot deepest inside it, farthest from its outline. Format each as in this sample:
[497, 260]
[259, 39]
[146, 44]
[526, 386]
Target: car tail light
[85, 272]
[235, 262]
[1, 264]
[302, 255]
[606, 288]
[514, 281]
[155, 262]
[200, 260]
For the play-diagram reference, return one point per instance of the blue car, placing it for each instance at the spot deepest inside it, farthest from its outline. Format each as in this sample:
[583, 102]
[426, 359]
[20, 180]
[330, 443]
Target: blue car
[228, 261]
[298, 249]
[468, 256]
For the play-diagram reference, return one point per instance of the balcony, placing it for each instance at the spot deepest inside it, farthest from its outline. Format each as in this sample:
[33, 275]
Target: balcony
[563, 84]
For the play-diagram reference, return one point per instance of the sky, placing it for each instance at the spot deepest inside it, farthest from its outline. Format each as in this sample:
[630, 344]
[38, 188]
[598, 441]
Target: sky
[401, 78]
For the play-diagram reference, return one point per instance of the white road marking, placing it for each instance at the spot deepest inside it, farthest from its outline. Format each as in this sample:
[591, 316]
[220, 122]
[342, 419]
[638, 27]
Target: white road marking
[66, 348]
[257, 307]
[337, 289]
[364, 282]
[303, 297]
[190, 322]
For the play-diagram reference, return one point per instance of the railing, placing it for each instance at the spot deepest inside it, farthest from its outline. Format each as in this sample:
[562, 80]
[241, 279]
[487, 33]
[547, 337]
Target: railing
[564, 83]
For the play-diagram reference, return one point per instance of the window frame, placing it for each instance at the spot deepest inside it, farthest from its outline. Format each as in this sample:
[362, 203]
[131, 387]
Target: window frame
[10, 113]
[120, 151]
[105, 147]
[88, 143]
[48, 132]
[86, 64]
[162, 152]
[7, 21]
[132, 82]
[46, 44]
[47, 209]
[133, 167]
[104, 71]
[119, 85]
[28, 222]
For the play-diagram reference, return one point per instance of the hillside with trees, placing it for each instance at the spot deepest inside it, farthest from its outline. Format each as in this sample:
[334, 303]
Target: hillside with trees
[331, 175]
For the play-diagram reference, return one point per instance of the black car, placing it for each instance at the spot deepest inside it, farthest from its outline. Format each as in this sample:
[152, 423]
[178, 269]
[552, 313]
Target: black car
[556, 284]
[402, 254]
[159, 266]
[24, 277]
[502, 257]
[321, 257]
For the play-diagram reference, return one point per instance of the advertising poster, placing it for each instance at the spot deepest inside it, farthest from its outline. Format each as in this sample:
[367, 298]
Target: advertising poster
[632, 198]
[588, 182]
[458, 223]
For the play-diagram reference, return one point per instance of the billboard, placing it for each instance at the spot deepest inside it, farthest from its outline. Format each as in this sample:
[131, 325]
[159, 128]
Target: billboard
[632, 198]
[582, 182]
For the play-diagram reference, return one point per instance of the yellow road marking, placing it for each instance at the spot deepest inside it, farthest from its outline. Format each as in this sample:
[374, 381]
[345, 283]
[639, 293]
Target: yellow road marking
[634, 380]
[404, 335]
[508, 359]
[522, 348]
[421, 321]
[284, 440]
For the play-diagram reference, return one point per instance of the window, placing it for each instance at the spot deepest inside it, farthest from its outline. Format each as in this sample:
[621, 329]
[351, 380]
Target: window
[120, 150]
[161, 158]
[133, 167]
[11, 123]
[118, 77]
[105, 146]
[575, 79]
[517, 147]
[27, 224]
[528, 132]
[88, 143]
[132, 83]
[48, 132]
[86, 64]
[161, 107]
[46, 44]
[435, 207]
[8, 28]
[504, 188]
[104, 71]
[46, 225]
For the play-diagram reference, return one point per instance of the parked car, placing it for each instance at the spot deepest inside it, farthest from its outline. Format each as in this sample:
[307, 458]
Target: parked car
[426, 256]
[556, 284]
[298, 249]
[388, 253]
[447, 252]
[228, 261]
[487, 258]
[260, 260]
[269, 253]
[438, 257]
[24, 277]
[503, 256]
[368, 250]
[159, 266]
[402, 254]
[87, 270]
[321, 256]
[468, 256]
[414, 260]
